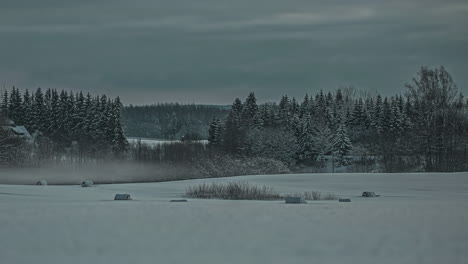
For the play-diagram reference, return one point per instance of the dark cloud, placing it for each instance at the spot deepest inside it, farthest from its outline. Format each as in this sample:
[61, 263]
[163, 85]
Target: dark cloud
[211, 51]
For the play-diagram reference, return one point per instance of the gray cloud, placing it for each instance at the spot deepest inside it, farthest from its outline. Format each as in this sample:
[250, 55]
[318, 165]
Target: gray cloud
[211, 51]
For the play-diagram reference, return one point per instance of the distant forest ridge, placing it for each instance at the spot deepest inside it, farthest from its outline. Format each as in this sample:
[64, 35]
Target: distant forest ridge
[171, 120]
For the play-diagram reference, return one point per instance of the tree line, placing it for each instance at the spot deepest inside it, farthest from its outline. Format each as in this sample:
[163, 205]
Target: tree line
[65, 121]
[426, 129]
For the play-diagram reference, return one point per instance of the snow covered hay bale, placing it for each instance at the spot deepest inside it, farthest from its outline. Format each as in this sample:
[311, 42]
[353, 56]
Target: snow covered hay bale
[42, 182]
[294, 200]
[122, 197]
[344, 200]
[87, 183]
[369, 194]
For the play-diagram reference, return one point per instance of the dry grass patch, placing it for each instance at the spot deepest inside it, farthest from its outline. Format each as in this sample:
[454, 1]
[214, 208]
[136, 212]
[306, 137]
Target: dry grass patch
[246, 191]
[232, 191]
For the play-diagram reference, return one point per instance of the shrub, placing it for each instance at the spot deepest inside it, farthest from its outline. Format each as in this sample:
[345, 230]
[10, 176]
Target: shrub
[317, 196]
[246, 191]
[232, 191]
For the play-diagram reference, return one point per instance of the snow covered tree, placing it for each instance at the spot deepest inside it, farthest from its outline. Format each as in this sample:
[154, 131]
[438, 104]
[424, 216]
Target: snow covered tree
[39, 111]
[4, 104]
[250, 112]
[323, 143]
[307, 141]
[341, 146]
[15, 111]
[119, 143]
[214, 132]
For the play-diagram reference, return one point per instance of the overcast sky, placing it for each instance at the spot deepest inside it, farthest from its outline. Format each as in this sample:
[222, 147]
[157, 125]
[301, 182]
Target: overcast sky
[211, 51]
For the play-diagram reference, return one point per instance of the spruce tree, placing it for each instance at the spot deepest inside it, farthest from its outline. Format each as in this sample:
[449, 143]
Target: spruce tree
[304, 106]
[250, 111]
[214, 133]
[4, 104]
[341, 145]
[39, 113]
[119, 142]
[306, 141]
[377, 118]
[27, 110]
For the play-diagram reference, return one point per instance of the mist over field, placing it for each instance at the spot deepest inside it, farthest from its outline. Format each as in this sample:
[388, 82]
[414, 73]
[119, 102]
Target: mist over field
[102, 173]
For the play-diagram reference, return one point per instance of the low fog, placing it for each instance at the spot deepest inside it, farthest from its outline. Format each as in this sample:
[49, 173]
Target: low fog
[111, 172]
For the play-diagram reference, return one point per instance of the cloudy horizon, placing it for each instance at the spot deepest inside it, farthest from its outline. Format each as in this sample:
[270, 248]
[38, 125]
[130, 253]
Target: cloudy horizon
[212, 51]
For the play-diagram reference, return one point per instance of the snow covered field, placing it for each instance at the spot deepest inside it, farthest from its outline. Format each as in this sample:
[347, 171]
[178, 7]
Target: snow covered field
[420, 218]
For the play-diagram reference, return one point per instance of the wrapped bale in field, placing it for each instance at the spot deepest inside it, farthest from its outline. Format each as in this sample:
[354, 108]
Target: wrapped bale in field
[369, 194]
[294, 200]
[344, 200]
[122, 197]
[41, 182]
[87, 183]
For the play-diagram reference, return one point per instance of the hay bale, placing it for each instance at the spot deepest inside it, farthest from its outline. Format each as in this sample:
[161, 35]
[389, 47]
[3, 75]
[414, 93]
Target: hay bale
[368, 194]
[344, 200]
[295, 200]
[42, 182]
[178, 201]
[87, 183]
[122, 197]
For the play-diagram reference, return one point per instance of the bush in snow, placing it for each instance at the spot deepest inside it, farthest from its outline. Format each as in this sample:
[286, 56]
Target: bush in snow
[87, 184]
[316, 196]
[42, 182]
[231, 191]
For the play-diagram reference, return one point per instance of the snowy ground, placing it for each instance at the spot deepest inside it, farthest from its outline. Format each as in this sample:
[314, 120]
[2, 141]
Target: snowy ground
[420, 218]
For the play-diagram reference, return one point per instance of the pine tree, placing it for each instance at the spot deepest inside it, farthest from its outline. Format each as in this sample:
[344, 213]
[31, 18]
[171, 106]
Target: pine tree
[214, 136]
[357, 117]
[236, 111]
[39, 113]
[250, 110]
[377, 117]
[341, 145]
[27, 110]
[54, 113]
[386, 116]
[395, 117]
[306, 140]
[15, 110]
[4, 104]
[305, 106]
[79, 117]
[266, 116]
[323, 143]
[92, 123]
[69, 123]
[284, 115]
[233, 134]
[119, 143]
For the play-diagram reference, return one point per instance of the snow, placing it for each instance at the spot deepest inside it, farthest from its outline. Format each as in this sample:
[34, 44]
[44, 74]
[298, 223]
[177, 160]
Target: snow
[420, 218]
[156, 142]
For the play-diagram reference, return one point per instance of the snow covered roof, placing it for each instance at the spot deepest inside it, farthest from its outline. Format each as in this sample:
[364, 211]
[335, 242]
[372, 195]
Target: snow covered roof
[18, 130]
[21, 130]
